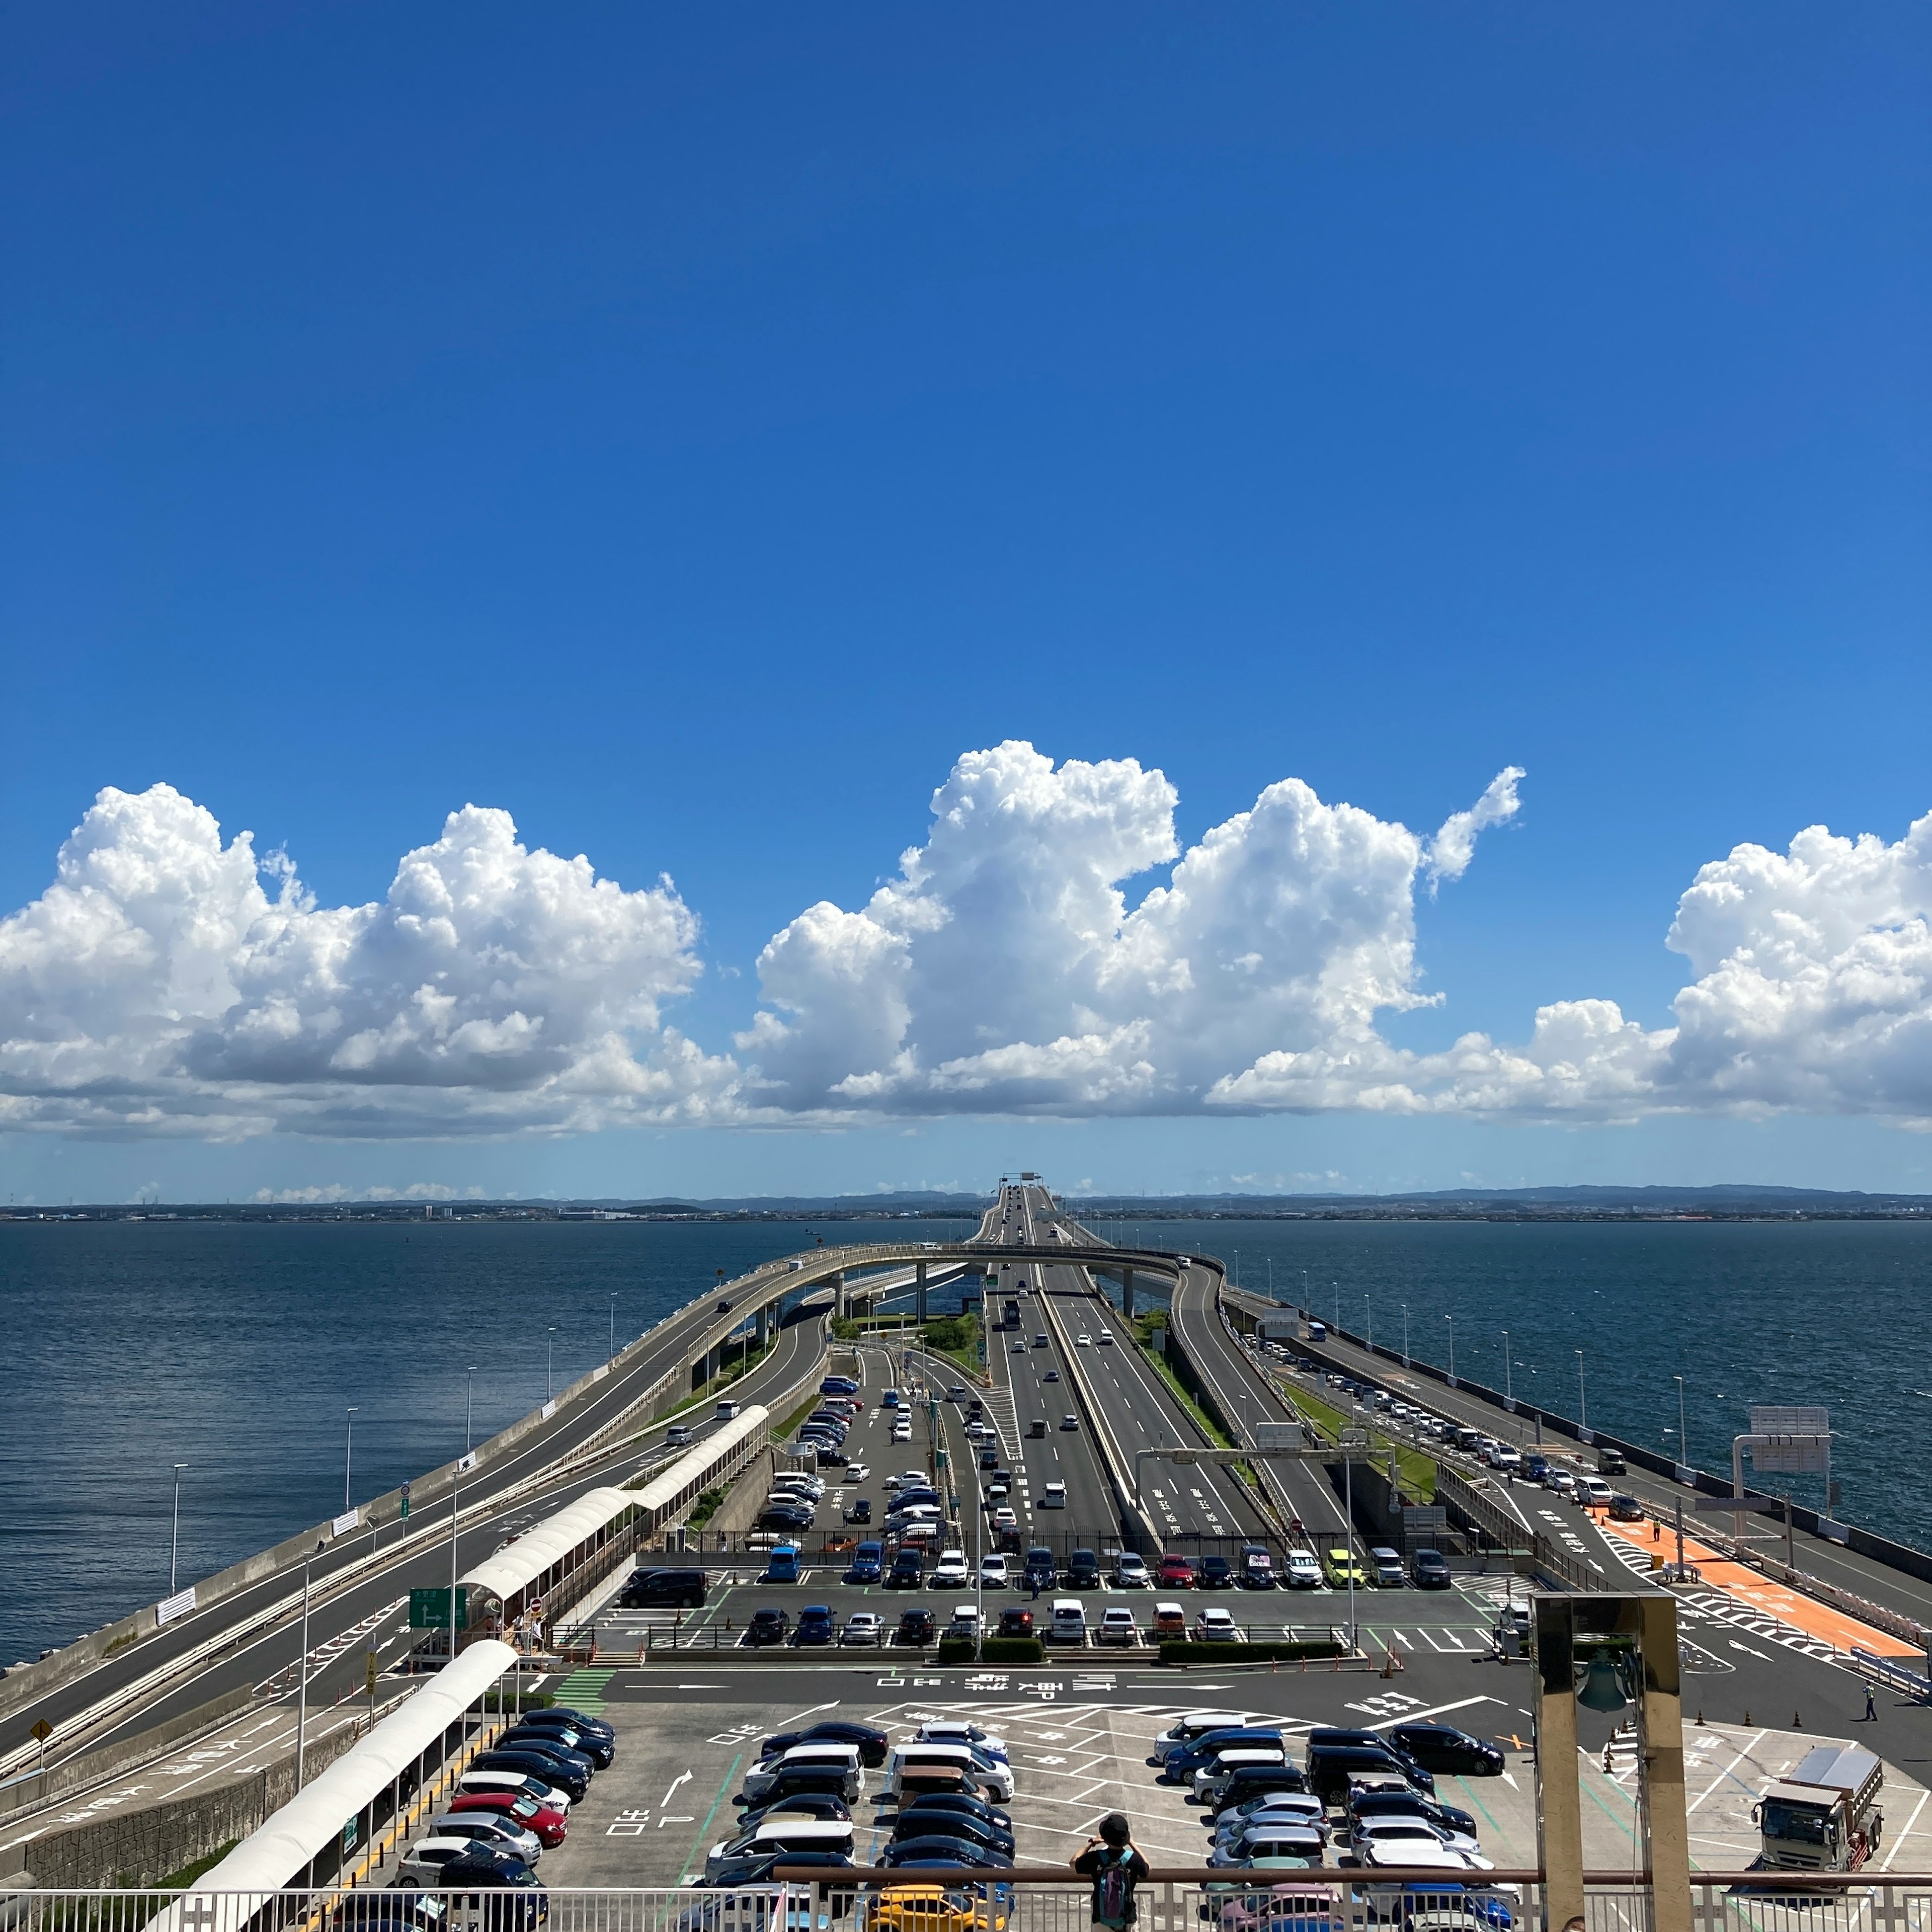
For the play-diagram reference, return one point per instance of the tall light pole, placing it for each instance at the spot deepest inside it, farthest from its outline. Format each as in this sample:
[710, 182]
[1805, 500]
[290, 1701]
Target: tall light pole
[348, 1455]
[1368, 1308]
[1405, 1334]
[550, 1355]
[301, 1692]
[1509, 1391]
[1451, 1320]
[614, 1327]
[1683, 1447]
[469, 1411]
[1306, 1308]
[1583, 1405]
[1338, 1308]
[174, 1550]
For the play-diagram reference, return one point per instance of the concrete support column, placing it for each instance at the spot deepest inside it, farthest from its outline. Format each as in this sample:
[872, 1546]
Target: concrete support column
[1127, 1293]
[919, 1292]
[839, 1294]
[1660, 1720]
[764, 1324]
[1559, 1797]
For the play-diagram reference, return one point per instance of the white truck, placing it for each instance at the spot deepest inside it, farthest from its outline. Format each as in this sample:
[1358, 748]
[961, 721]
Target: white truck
[1823, 1815]
[1279, 1328]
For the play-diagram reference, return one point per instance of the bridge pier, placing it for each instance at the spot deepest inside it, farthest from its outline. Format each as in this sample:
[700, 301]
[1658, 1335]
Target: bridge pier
[1127, 1293]
[919, 1292]
[839, 1305]
[764, 1324]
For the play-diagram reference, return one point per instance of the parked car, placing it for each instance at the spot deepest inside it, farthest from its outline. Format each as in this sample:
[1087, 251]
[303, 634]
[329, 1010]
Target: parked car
[1214, 1573]
[916, 1627]
[993, 1572]
[1257, 1568]
[1215, 1625]
[1176, 1573]
[767, 1626]
[422, 1864]
[1300, 1570]
[863, 1628]
[1015, 1623]
[661, 1589]
[1342, 1566]
[1429, 1570]
[1083, 1570]
[1068, 1624]
[1130, 1572]
[908, 1572]
[1385, 1565]
[516, 1808]
[814, 1626]
[1170, 1620]
[1444, 1748]
[950, 1572]
[533, 1761]
[1117, 1627]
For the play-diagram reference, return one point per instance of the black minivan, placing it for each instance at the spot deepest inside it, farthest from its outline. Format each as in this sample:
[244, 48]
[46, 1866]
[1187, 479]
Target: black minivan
[659, 1589]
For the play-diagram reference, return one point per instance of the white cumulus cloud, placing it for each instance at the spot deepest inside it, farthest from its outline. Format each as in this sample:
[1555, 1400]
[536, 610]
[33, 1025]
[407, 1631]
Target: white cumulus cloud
[156, 986]
[1003, 970]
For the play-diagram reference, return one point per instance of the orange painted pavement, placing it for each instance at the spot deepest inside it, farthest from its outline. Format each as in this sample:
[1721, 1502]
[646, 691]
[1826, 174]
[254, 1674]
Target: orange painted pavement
[1788, 1606]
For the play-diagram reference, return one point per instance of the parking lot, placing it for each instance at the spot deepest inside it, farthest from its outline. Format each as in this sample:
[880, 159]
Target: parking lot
[1079, 1746]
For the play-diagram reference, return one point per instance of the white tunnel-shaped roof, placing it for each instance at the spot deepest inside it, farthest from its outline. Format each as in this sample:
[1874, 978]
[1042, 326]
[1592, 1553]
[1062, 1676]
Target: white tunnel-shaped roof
[665, 1487]
[522, 1562]
[272, 1855]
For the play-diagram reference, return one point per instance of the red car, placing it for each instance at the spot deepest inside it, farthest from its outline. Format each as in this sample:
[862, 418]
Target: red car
[1177, 1572]
[549, 1826]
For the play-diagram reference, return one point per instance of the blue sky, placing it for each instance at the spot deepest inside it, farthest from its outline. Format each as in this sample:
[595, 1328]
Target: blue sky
[693, 436]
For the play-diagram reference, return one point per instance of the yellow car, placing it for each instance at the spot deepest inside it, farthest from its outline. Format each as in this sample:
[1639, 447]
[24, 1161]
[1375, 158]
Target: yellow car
[1343, 1567]
[930, 1908]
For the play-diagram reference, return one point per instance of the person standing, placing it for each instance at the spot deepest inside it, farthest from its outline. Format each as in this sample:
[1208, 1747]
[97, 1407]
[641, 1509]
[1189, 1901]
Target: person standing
[1115, 1868]
[1871, 1709]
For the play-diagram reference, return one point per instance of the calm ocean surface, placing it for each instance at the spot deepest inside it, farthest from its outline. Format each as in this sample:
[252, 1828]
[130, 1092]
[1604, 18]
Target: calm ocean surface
[237, 1349]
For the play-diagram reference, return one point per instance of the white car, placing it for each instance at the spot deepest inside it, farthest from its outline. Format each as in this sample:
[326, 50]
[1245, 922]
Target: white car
[863, 1627]
[505, 1834]
[1083, 1341]
[1303, 1572]
[901, 1431]
[1054, 1496]
[1561, 1481]
[1218, 1626]
[423, 1863]
[1106, 1338]
[1386, 1831]
[1004, 1519]
[513, 1782]
[949, 1731]
[1593, 1490]
[857, 1473]
[1117, 1626]
[1130, 1572]
[950, 1572]
[993, 1572]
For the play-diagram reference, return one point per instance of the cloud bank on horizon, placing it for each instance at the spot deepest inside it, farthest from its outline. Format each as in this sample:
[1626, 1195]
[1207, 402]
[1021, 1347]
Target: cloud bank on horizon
[166, 984]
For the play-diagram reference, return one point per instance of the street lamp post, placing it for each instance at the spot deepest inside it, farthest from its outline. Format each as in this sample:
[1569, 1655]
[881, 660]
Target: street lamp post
[348, 1456]
[174, 1550]
[1368, 1309]
[550, 1355]
[1509, 1391]
[1405, 1334]
[1451, 1320]
[1683, 1447]
[614, 1327]
[469, 1411]
[1583, 1403]
[302, 1691]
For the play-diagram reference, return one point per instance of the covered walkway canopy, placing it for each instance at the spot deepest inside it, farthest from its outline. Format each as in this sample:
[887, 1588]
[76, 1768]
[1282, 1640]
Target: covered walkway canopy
[556, 1545]
[308, 1835]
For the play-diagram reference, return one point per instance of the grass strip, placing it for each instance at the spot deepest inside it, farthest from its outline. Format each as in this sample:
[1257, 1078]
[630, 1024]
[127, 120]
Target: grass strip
[1415, 1473]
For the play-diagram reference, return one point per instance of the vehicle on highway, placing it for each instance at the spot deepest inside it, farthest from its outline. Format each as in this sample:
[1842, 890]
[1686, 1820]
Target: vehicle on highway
[516, 1808]
[654, 1589]
[767, 1626]
[1130, 1572]
[901, 1431]
[815, 1626]
[1053, 1496]
[1385, 1566]
[1215, 1625]
[1117, 1627]
[1610, 1462]
[1592, 1492]
[1257, 1568]
[1444, 1748]
[1429, 1570]
[1052, 1376]
[956, 1392]
[1083, 1340]
[1106, 1338]
[1019, 1346]
[1040, 1342]
[1176, 1572]
[679, 1436]
[863, 1629]
[916, 1627]
[1006, 1522]
[1036, 1428]
[989, 1456]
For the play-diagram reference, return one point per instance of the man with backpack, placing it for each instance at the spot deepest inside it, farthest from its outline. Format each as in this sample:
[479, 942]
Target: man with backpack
[1115, 1868]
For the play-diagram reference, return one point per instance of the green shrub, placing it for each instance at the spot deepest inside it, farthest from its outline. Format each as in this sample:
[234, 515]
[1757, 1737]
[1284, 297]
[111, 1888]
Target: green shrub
[1181, 1650]
[1013, 1650]
[955, 1650]
[954, 1334]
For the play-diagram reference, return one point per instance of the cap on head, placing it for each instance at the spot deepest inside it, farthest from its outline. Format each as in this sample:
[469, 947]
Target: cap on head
[1114, 1829]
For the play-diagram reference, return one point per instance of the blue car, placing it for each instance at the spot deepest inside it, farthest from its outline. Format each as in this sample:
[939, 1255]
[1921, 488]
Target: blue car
[815, 1626]
[868, 1563]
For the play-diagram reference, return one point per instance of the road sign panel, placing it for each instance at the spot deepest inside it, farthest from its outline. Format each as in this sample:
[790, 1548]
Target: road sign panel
[42, 1731]
[429, 1610]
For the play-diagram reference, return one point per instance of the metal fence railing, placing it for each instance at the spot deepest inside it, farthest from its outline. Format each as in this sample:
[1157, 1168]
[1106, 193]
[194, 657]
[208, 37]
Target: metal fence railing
[1325, 1899]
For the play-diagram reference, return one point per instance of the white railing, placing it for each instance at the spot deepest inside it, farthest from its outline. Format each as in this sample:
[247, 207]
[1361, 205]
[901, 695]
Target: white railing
[1327, 1900]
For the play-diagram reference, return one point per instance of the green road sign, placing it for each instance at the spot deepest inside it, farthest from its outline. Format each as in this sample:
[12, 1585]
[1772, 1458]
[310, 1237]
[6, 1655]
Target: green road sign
[406, 1501]
[429, 1610]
